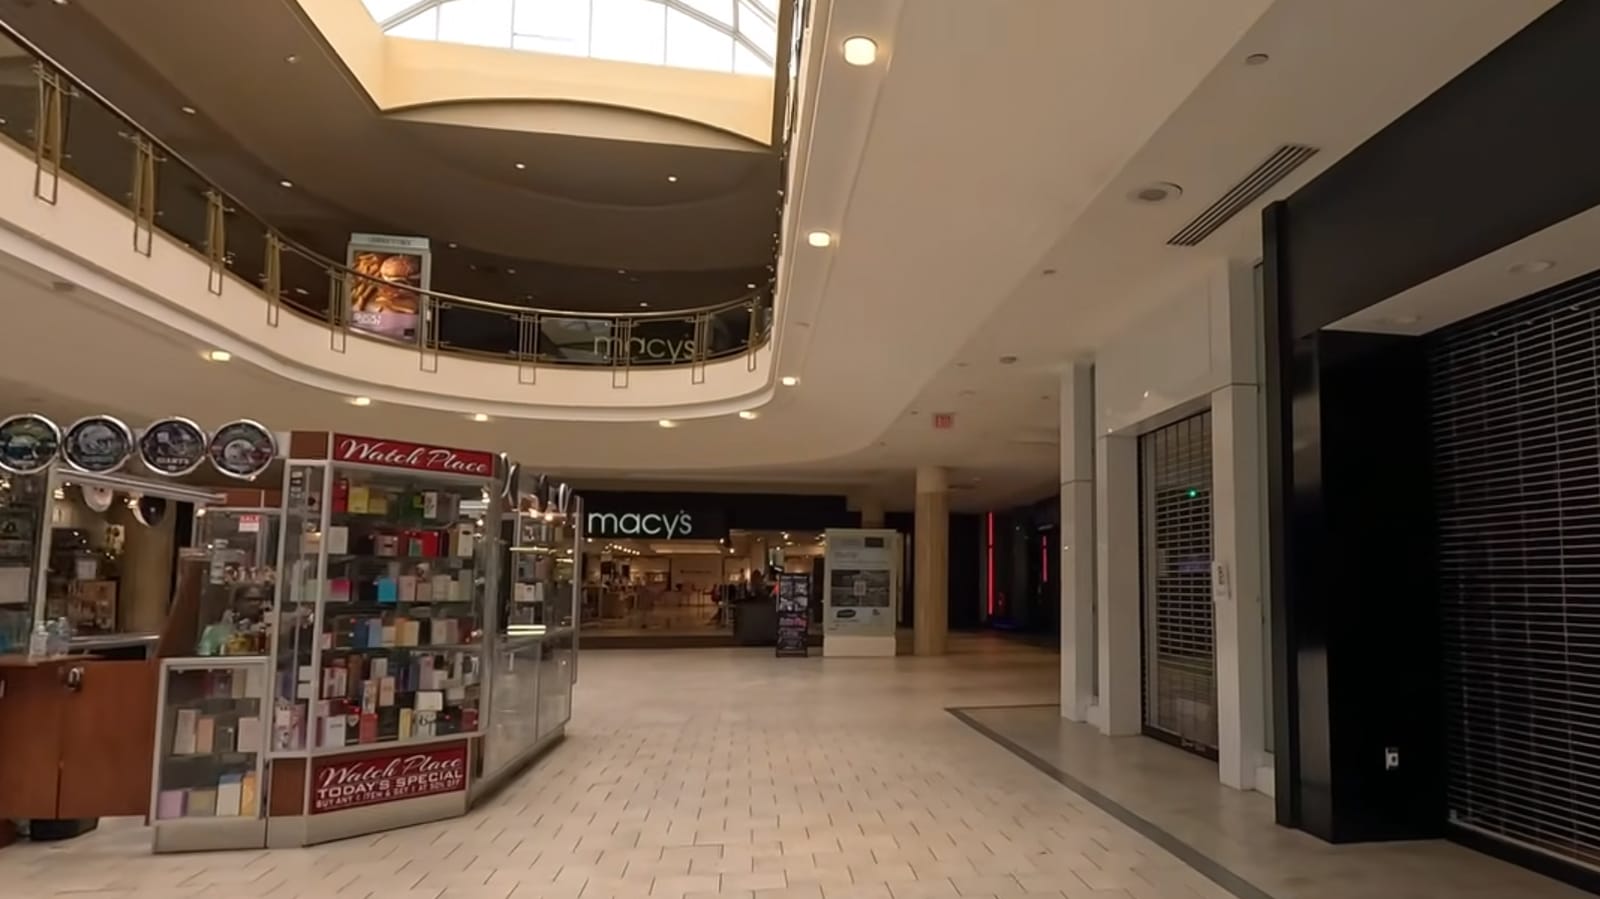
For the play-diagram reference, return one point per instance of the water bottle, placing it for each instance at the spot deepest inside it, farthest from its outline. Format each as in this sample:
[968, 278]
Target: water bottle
[63, 636]
[39, 643]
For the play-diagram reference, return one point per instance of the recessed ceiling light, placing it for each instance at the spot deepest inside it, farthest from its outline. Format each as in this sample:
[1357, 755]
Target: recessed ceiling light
[751, 286]
[451, 244]
[819, 239]
[291, 59]
[622, 271]
[521, 166]
[1048, 272]
[667, 423]
[511, 271]
[860, 51]
[479, 416]
[361, 401]
[789, 381]
[644, 305]
[188, 110]
[672, 179]
[1158, 192]
[286, 183]
[1008, 360]
[1532, 267]
[1257, 59]
[749, 414]
[219, 355]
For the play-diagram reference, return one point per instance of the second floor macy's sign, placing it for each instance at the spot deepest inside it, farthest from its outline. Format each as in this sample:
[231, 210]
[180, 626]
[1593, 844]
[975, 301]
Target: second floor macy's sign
[639, 524]
[415, 456]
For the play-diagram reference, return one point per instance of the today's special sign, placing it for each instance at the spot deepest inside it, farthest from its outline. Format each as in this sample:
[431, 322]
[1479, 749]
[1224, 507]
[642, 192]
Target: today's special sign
[373, 779]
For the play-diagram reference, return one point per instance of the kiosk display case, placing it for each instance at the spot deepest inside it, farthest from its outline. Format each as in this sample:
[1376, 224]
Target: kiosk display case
[206, 785]
[379, 684]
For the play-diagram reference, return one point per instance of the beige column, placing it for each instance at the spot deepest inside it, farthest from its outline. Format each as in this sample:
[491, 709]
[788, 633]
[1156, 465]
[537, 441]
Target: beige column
[1077, 574]
[872, 514]
[931, 612]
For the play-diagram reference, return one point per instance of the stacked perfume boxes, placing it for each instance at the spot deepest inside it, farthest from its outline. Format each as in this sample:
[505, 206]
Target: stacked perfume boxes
[209, 769]
[397, 697]
[233, 795]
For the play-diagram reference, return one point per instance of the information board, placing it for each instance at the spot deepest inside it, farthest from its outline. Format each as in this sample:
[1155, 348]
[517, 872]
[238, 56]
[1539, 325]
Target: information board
[794, 614]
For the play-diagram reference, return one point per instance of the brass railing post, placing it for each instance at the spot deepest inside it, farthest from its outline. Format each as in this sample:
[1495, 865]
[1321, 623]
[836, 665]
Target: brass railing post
[622, 353]
[697, 359]
[142, 202]
[338, 309]
[750, 338]
[49, 135]
[273, 282]
[428, 312]
[217, 243]
[528, 327]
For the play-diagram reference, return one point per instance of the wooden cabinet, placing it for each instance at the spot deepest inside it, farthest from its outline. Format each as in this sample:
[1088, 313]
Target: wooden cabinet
[77, 735]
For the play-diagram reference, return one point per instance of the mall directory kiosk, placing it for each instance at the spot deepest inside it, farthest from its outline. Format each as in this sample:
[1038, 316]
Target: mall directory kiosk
[98, 523]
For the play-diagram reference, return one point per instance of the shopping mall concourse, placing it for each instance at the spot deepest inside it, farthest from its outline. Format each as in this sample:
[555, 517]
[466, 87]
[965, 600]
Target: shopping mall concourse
[799, 449]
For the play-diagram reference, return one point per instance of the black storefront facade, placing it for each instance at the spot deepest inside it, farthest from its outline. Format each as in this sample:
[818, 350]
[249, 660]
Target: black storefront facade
[1434, 499]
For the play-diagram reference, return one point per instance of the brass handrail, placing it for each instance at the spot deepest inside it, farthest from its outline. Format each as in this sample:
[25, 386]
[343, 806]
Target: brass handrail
[56, 83]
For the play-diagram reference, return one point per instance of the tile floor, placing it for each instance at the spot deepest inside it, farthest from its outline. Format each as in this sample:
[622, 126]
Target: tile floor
[691, 773]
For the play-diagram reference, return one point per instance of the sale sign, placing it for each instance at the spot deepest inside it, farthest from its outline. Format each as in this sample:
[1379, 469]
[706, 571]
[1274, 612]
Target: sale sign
[415, 456]
[342, 783]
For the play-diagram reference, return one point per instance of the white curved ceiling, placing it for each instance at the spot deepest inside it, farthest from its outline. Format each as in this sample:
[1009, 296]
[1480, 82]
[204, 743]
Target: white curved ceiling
[992, 141]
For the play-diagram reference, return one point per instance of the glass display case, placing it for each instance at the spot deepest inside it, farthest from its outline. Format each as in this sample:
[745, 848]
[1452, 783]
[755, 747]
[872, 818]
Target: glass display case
[379, 647]
[235, 606]
[208, 778]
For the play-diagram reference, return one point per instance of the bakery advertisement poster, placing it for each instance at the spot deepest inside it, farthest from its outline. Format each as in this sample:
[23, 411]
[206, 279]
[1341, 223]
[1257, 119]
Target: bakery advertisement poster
[389, 271]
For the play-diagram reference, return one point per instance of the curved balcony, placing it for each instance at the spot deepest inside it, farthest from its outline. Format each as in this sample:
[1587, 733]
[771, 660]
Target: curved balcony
[74, 133]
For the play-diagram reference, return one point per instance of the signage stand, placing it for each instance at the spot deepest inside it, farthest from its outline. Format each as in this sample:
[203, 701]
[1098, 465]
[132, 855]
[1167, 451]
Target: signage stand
[794, 614]
[861, 597]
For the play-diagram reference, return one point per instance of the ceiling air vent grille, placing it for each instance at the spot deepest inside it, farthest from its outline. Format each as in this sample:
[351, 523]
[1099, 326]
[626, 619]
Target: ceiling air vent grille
[1284, 160]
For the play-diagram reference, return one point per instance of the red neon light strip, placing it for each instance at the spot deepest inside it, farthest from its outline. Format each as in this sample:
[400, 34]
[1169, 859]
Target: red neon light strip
[1044, 559]
[990, 550]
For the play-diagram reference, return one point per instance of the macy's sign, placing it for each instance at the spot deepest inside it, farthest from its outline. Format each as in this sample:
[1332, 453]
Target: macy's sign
[650, 349]
[639, 524]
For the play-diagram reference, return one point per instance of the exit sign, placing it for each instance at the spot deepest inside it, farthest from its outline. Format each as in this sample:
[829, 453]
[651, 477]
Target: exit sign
[944, 421]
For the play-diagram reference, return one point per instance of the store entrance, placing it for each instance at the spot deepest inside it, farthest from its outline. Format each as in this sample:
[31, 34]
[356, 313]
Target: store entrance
[1180, 704]
[693, 592]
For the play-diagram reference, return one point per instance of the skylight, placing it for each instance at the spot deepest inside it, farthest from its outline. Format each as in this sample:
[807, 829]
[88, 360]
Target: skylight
[739, 36]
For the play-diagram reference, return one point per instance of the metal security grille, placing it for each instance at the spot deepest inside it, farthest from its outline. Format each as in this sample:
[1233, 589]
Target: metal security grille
[1180, 646]
[1516, 429]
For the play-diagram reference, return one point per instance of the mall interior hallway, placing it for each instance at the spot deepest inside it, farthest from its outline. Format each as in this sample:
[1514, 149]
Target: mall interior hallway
[727, 772]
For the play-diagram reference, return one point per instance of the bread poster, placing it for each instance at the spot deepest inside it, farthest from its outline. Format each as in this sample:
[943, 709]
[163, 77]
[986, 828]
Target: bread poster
[386, 275]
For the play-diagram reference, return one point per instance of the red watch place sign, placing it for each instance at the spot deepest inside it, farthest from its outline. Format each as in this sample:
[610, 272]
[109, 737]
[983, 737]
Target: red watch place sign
[373, 779]
[415, 456]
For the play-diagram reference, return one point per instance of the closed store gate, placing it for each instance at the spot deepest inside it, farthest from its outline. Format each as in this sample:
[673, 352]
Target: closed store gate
[1516, 432]
[1180, 684]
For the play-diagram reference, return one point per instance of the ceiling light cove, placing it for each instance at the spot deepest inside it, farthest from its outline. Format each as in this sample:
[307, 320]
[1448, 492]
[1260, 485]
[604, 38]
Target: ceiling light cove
[819, 239]
[860, 51]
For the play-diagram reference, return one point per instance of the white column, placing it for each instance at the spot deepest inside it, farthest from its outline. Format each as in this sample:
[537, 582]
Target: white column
[1077, 543]
[1117, 567]
[1236, 544]
[931, 554]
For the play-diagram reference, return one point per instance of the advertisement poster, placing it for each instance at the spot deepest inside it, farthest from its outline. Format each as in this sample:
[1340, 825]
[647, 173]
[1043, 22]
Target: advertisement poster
[794, 613]
[383, 292]
[341, 783]
[860, 584]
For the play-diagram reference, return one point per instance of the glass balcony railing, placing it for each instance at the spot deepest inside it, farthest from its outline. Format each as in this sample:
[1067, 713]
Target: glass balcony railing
[73, 133]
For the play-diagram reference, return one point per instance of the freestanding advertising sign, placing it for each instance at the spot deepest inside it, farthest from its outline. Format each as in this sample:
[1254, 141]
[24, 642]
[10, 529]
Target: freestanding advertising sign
[794, 613]
[386, 302]
[861, 599]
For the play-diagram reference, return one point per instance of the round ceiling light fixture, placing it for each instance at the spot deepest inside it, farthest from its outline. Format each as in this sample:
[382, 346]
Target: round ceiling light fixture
[291, 59]
[520, 166]
[789, 381]
[672, 179]
[1156, 192]
[1257, 59]
[1532, 267]
[286, 183]
[667, 423]
[361, 401]
[819, 239]
[479, 416]
[219, 356]
[749, 414]
[188, 110]
[860, 51]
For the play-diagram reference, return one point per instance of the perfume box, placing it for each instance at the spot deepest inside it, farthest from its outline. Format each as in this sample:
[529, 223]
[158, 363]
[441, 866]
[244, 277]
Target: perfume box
[341, 495]
[404, 731]
[352, 729]
[388, 590]
[424, 724]
[228, 793]
[369, 727]
[183, 735]
[386, 691]
[172, 804]
[357, 500]
[377, 503]
[463, 541]
[387, 545]
[369, 696]
[388, 635]
[338, 539]
[339, 589]
[430, 700]
[202, 802]
[333, 730]
[249, 796]
[443, 587]
[408, 588]
[249, 735]
[430, 505]
[379, 668]
[205, 732]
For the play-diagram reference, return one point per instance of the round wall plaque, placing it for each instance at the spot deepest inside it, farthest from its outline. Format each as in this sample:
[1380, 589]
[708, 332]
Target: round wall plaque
[97, 444]
[173, 447]
[28, 443]
[242, 449]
